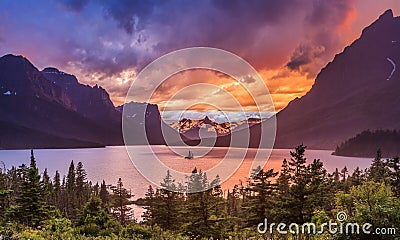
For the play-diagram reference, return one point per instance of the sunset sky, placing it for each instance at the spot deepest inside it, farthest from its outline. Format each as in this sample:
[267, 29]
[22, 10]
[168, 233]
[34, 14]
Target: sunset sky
[109, 42]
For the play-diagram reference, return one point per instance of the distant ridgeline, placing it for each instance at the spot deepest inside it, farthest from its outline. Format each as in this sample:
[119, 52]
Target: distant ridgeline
[367, 143]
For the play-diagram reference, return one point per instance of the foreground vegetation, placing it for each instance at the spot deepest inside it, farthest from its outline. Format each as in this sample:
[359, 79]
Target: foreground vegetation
[34, 206]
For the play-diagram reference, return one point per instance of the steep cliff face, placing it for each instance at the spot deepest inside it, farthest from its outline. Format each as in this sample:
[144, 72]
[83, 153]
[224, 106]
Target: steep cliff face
[143, 116]
[19, 77]
[91, 102]
[358, 90]
[35, 108]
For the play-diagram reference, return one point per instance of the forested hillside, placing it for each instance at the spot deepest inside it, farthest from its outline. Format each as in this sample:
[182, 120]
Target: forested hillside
[368, 142]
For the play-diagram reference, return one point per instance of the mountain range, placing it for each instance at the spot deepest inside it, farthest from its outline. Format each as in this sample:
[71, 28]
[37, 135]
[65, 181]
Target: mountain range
[356, 91]
[51, 109]
[206, 127]
[34, 108]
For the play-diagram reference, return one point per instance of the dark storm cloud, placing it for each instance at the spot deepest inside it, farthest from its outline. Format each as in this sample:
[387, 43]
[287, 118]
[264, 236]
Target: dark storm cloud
[164, 26]
[304, 54]
[250, 29]
[231, 25]
[321, 41]
[99, 40]
[259, 31]
[107, 62]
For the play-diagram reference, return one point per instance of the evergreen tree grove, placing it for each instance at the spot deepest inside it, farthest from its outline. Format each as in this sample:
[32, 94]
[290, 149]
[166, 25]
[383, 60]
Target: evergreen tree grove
[31, 208]
[302, 192]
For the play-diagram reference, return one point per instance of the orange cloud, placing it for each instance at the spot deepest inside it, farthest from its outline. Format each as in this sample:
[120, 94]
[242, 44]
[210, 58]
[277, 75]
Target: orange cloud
[204, 90]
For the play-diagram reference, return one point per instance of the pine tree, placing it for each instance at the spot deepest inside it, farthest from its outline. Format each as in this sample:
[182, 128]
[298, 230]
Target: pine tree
[378, 170]
[31, 204]
[297, 164]
[202, 209]
[71, 191]
[64, 198]
[163, 205]
[336, 176]
[57, 190]
[95, 220]
[283, 180]
[96, 189]
[283, 198]
[261, 201]
[196, 216]
[120, 204]
[357, 178]
[299, 173]
[82, 190]
[16, 177]
[319, 194]
[48, 188]
[4, 201]
[344, 172]
[169, 206]
[150, 206]
[104, 194]
[234, 202]
[5, 192]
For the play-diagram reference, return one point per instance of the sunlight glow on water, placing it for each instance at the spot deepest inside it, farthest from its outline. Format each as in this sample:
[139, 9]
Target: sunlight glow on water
[110, 163]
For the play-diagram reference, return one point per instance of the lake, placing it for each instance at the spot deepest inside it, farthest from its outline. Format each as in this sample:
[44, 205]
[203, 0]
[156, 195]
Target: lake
[113, 162]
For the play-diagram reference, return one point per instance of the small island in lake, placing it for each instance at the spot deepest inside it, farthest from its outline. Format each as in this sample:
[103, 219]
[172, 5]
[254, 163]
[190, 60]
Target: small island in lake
[190, 155]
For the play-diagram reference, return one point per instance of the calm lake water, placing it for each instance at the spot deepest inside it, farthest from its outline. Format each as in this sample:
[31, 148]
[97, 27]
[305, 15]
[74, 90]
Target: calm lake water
[111, 163]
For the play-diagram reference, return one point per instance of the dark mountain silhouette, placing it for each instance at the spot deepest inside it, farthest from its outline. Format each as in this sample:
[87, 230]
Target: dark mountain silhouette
[367, 143]
[91, 102]
[17, 137]
[31, 104]
[18, 77]
[51, 109]
[139, 116]
[358, 90]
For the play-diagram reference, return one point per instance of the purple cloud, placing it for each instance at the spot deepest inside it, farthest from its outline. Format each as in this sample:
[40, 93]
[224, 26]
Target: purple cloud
[100, 41]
